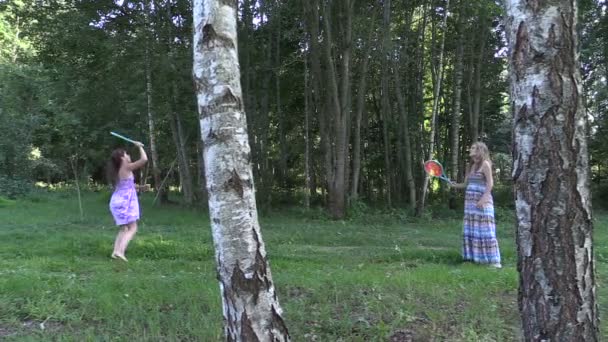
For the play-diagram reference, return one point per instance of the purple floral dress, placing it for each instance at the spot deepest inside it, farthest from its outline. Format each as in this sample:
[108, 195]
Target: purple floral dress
[124, 204]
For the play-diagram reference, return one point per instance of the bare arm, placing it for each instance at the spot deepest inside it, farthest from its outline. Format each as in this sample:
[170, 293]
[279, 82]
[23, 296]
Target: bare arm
[458, 185]
[143, 158]
[486, 169]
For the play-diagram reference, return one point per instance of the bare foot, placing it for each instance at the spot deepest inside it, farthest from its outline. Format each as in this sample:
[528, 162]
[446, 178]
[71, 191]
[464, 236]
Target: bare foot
[122, 257]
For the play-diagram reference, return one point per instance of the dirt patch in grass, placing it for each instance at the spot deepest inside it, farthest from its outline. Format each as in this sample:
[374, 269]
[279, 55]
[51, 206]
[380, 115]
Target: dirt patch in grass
[402, 335]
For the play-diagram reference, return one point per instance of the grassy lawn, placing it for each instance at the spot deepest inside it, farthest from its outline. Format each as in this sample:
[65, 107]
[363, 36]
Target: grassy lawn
[375, 278]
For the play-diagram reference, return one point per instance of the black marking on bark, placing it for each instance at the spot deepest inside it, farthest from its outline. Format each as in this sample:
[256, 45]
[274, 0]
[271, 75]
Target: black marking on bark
[556, 82]
[534, 5]
[242, 285]
[538, 57]
[208, 35]
[522, 115]
[200, 84]
[552, 40]
[231, 3]
[279, 324]
[211, 136]
[247, 157]
[212, 40]
[216, 221]
[535, 99]
[261, 262]
[235, 183]
[520, 52]
[227, 102]
[247, 332]
[230, 100]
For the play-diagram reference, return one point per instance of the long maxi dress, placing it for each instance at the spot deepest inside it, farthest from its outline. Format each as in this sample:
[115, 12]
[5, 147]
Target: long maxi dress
[479, 243]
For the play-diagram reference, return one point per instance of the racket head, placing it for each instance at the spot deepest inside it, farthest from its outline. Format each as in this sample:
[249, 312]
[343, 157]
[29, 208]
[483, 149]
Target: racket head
[433, 168]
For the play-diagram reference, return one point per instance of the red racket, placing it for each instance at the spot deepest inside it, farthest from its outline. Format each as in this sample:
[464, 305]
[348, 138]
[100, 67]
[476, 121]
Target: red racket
[433, 168]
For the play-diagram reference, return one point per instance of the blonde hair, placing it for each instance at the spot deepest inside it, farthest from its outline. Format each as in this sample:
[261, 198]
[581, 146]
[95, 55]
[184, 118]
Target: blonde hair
[484, 153]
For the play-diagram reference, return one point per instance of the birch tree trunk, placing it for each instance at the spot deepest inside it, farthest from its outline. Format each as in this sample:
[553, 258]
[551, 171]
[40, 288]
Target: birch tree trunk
[557, 299]
[250, 305]
[149, 110]
[436, 95]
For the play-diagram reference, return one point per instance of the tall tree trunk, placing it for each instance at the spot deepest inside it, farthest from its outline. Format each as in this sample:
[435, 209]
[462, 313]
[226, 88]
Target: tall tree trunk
[149, 108]
[250, 305]
[280, 114]
[185, 176]
[458, 74]
[361, 91]
[557, 299]
[263, 120]
[339, 92]
[476, 110]
[312, 8]
[418, 106]
[385, 98]
[409, 175]
[307, 96]
[436, 95]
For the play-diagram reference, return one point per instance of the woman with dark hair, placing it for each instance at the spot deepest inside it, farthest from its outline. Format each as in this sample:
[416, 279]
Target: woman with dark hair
[124, 204]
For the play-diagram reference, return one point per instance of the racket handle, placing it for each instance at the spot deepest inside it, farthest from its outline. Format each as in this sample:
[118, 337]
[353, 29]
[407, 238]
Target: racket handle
[122, 137]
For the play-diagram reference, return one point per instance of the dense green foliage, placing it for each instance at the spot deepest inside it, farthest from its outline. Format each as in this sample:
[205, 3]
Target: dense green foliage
[71, 71]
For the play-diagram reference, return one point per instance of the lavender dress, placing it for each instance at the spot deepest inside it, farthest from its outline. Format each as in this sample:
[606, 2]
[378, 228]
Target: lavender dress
[124, 204]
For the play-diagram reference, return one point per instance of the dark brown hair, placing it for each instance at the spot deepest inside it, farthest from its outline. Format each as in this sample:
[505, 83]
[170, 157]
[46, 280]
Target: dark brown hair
[114, 165]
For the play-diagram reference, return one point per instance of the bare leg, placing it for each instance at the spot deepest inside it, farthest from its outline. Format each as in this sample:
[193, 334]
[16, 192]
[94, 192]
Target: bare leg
[130, 231]
[118, 253]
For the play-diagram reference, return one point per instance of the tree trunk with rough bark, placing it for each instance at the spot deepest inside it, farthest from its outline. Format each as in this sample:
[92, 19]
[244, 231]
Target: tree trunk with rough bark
[281, 116]
[385, 98]
[407, 144]
[436, 96]
[361, 91]
[557, 300]
[175, 120]
[339, 94]
[312, 9]
[250, 305]
[307, 96]
[458, 75]
[149, 108]
[475, 112]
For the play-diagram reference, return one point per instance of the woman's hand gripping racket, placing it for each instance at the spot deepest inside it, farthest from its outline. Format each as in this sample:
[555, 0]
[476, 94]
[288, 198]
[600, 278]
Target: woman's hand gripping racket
[433, 168]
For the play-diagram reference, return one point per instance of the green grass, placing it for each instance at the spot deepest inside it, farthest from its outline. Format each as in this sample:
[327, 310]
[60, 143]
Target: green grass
[362, 280]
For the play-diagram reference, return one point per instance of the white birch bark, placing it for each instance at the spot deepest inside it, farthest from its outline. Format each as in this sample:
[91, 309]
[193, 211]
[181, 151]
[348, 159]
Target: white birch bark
[251, 308]
[436, 93]
[149, 105]
[557, 299]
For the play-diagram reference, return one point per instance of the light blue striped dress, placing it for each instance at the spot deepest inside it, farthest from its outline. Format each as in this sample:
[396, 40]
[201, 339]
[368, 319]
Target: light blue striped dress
[479, 243]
